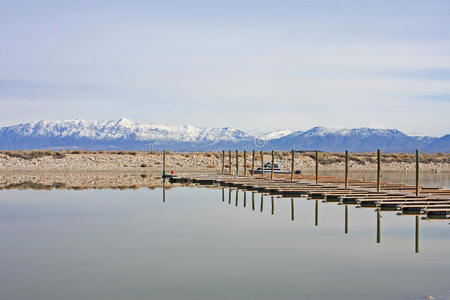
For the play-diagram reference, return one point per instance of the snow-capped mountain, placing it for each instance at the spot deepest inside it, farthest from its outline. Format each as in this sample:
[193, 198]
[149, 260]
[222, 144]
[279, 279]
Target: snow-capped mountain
[117, 134]
[274, 134]
[129, 135]
[357, 139]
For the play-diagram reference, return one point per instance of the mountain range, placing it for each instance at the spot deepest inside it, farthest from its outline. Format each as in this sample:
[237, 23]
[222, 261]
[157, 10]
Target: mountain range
[124, 134]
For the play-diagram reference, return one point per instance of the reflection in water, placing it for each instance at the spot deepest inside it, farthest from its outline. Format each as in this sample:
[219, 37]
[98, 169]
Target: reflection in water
[253, 200]
[164, 190]
[273, 206]
[417, 234]
[292, 209]
[346, 218]
[81, 259]
[378, 227]
[262, 202]
[317, 213]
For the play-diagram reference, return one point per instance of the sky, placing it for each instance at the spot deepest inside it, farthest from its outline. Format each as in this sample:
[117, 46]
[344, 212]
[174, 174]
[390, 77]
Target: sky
[253, 65]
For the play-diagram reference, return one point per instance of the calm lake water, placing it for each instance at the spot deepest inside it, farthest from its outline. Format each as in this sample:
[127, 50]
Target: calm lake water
[110, 244]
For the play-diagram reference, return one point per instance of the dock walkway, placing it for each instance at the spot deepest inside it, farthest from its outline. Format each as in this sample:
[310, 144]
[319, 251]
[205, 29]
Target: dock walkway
[432, 202]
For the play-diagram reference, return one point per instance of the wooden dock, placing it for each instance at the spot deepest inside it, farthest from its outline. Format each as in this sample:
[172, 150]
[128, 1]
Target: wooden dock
[432, 202]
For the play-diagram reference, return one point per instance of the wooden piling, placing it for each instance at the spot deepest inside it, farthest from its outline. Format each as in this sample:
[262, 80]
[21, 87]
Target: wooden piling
[164, 163]
[317, 167]
[223, 194]
[292, 165]
[253, 162]
[223, 162]
[262, 164]
[346, 170]
[229, 162]
[273, 162]
[237, 197]
[245, 163]
[237, 163]
[229, 196]
[245, 198]
[378, 170]
[417, 173]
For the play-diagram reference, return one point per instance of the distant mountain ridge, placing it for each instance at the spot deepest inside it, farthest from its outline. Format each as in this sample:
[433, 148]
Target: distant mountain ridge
[125, 134]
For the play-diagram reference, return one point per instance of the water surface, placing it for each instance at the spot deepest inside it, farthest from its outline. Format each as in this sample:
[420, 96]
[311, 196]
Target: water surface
[110, 244]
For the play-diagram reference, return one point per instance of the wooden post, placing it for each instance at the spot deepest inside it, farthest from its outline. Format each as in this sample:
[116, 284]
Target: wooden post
[237, 197]
[317, 167]
[378, 170]
[245, 198]
[164, 163]
[346, 171]
[273, 162]
[253, 163]
[229, 196]
[417, 174]
[262, 164]
[223, 194]
[237, 163]
[229, 162]
[417, 234]
[292, 165]
[245, 163]
[223, 162]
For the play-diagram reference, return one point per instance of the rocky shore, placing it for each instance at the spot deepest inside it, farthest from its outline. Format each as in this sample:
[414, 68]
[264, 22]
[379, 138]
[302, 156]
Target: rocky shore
[99, 161]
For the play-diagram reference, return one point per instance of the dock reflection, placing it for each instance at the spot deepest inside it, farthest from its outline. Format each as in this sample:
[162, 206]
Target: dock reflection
[346, 218]
[262, 202]
[317, 213]
[292, 209]
[273, 206]
[273, 200]
[417, 234]
[378, 226]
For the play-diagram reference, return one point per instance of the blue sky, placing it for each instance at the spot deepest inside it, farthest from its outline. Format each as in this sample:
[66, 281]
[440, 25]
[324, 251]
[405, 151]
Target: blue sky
[246, 64]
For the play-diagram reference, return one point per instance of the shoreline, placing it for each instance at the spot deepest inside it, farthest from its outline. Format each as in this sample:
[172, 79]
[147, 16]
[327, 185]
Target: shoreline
[126, 161]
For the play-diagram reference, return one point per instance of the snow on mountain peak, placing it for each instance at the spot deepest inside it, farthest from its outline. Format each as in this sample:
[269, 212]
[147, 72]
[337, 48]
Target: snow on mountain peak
[275, 134]
[125, 133]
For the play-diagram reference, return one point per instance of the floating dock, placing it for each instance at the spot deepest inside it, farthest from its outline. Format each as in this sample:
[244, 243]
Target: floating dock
[431, 202]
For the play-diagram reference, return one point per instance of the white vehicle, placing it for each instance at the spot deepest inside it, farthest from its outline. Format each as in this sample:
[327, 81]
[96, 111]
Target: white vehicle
[268, 169]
